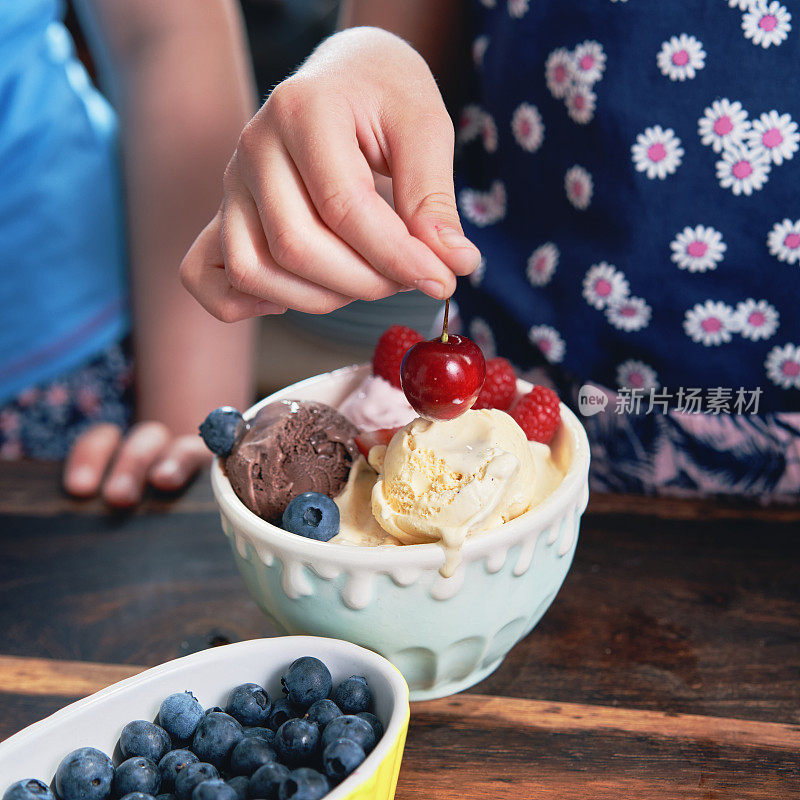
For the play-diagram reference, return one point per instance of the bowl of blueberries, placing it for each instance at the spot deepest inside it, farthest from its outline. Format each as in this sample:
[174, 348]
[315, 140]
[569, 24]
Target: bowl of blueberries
[289, 718]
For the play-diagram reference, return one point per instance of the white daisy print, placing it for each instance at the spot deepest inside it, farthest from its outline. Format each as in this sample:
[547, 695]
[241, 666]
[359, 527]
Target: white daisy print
[724, 123]
[756, 319]
[559, 70]
[783, 241]
[489, 133]
[549, 342]
[766, 23]
[657, 152]
[742, 5]
[630, 314]
[517, 8]
[527, 127]
[479, 50]
[579, 187]
[542, 264]
[581, 102]
[589, 61]
[476, 276]
[743, 170]
[470, 122]
[604, 285]
[783, 366]
[777, 134]
[681, 57]
[483, 208]
[710, 323]
[698, 249]
[481, 334]
[633, 374]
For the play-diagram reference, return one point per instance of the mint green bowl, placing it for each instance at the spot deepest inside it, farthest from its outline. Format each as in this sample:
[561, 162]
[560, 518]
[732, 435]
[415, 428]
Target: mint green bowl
[443, 634]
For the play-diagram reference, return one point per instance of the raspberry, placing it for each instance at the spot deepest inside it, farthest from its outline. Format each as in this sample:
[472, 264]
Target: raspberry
[389, 352]
[538, 414]
[499, 387]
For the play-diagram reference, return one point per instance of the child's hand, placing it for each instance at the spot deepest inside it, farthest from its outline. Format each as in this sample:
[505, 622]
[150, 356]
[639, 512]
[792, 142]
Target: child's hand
[104, 462]
[301, 225]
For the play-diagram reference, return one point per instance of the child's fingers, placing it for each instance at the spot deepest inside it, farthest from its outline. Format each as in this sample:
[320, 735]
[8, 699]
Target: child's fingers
[421, 164]
[88, 459]
[140, 448]
[339, 181]
[203, 275]
[178, 463]
[252, 270]
[297, 239]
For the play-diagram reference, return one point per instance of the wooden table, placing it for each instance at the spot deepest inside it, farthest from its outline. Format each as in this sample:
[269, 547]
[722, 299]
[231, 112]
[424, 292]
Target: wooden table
[668, 666]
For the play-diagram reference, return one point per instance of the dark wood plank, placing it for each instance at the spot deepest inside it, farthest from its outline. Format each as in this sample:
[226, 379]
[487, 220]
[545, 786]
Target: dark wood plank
[692, 616]
[138, 590]
[17, 711]
[681, 616]
[452, 752]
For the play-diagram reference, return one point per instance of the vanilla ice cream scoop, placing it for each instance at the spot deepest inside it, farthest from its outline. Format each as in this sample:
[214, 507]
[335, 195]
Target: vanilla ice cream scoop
[442, 480]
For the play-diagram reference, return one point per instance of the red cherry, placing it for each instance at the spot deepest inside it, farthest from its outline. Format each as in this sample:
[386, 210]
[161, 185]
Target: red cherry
[442, 379]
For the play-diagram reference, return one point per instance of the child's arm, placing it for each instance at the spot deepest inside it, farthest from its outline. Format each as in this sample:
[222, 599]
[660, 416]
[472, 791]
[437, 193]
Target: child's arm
[302, 225]
[181, 83]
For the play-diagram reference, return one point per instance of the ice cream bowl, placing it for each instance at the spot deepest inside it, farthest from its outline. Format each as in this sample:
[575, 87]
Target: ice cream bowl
[443, 634]
[96, 721]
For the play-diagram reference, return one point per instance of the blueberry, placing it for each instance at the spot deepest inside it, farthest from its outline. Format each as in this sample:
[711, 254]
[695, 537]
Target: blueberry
[141, 738]
[239, 785]
[312, 515]
[137, 796]
[350, 727]
[296, 741]
[266, 781]
[192, 775]
[29, 789]
[172, 763]
[353, 695]
[306, 681]
[267, 734]
[137, 774]
[282, 710]
[249, 704]
[215, 737]
[249, 754]
[214, 789]
[304, 784]
[214, 709]
[85, 774]
[322, 712]
[179, 715]
[377, 725]
[341, 757]
[220, 430]
[166, 796]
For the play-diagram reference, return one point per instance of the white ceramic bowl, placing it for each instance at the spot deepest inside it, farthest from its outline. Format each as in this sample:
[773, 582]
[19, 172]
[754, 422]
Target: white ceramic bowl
[96, 721]
[444, 634]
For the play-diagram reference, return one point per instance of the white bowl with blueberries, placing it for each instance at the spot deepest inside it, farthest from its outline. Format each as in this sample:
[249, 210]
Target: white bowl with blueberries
[294, 718]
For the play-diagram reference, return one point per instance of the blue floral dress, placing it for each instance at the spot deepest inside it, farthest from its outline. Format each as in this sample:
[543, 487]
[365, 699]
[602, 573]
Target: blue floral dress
[630, 171]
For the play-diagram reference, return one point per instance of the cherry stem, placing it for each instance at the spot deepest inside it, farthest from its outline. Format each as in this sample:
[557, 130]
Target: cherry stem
[444, 322]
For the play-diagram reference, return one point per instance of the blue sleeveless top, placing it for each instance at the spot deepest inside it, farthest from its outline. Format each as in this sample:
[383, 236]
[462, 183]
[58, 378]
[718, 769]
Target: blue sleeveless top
[62, 256]
[630, 172]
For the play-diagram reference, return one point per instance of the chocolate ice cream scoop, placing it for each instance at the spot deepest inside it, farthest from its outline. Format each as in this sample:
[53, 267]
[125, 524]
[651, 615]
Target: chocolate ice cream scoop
[291, 447]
